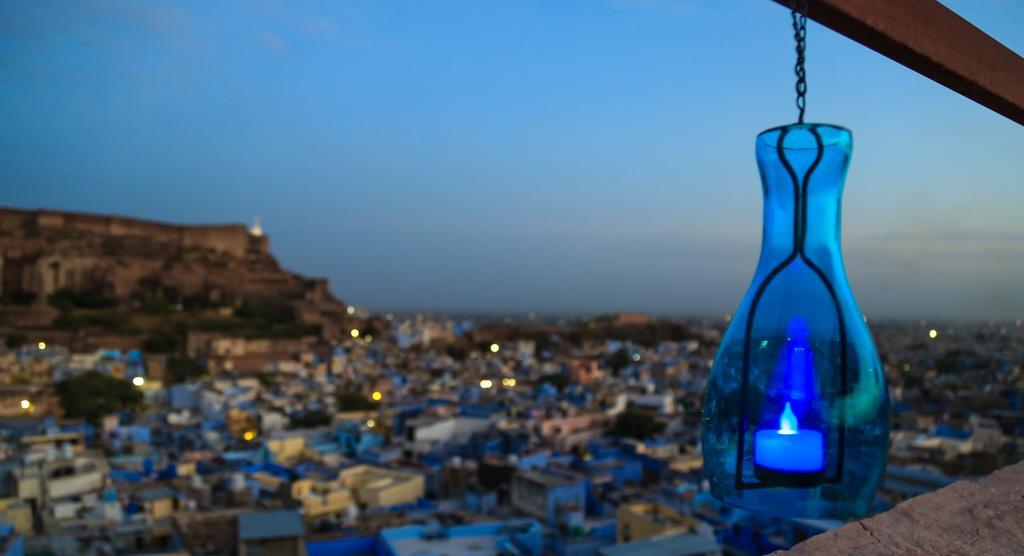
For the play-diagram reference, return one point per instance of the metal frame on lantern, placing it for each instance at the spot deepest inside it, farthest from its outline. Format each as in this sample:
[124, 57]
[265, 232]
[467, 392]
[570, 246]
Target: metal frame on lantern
[799, 237]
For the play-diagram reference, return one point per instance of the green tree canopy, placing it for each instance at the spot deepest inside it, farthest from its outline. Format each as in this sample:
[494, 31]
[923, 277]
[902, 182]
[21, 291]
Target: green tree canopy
[16, 339]
[66, 298]
[310, 419]
[183, 369]
[354, 401]
[558, 380]
[92, 395]
[160, 342]
[618, 361]
[636, 424]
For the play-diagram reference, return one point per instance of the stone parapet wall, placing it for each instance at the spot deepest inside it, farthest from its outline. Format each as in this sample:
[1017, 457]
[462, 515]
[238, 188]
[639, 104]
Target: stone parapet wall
[985, 517]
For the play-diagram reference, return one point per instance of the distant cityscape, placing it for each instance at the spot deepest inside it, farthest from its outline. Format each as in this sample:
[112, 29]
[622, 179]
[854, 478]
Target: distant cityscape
[171, 390]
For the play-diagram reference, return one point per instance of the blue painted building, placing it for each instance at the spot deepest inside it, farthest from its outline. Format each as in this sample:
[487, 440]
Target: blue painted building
[351, 546]
[549, 493]
[356, 439]
[479, 500]
[512, 537]
[12, 543]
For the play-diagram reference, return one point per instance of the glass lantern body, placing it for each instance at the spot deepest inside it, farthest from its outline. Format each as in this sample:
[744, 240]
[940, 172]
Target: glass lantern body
[796, 413]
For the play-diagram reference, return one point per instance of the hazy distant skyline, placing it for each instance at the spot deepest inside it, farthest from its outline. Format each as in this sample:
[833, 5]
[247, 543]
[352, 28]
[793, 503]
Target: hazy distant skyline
[578, 156]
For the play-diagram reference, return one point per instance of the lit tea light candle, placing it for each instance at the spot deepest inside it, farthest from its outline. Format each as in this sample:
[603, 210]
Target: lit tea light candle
[790, 449]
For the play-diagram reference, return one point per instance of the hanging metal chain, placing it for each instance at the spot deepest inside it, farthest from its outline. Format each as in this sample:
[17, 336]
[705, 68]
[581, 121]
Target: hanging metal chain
[799, 15]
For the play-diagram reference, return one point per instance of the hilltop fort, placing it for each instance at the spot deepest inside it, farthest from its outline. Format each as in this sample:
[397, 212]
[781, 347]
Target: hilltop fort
[56, 266]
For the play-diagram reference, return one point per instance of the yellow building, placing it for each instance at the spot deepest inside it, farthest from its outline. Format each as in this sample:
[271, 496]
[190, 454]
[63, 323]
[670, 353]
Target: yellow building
[642, 520]
[688, 463]
[268, 481]
[376, 487]
[186, 468]
[18, 513]
[321, 498]
[287, 447]
[158, 502]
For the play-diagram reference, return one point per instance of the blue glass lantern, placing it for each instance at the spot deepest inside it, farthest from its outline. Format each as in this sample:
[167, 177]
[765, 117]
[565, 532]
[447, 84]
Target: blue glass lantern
[796, 413]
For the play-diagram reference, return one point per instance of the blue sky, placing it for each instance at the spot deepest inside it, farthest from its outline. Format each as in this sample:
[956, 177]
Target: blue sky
[589, 155]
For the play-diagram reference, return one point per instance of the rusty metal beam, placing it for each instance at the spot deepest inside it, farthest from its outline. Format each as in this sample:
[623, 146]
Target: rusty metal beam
[934, 41]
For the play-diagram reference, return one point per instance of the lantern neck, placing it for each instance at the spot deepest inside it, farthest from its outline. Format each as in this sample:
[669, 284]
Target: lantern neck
[803, 168]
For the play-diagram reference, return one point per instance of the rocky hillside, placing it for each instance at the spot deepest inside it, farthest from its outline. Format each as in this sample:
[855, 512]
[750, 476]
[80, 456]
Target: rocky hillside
[109, 274]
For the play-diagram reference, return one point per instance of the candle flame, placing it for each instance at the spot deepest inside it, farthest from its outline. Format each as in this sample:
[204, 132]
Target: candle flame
[787, 421]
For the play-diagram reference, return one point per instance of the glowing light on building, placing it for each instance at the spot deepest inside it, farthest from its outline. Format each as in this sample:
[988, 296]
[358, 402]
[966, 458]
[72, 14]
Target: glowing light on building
[26, 405]
[371, 423]
[486, 383]
[41, 345]
[350, 310]
[138, 381]
[256, 230]
[376, 396]
[933, 333]
[495, 348]
[355, 332]
[248, 436]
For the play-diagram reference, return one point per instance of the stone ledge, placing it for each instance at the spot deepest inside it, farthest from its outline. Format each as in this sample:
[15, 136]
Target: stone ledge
[986, 517]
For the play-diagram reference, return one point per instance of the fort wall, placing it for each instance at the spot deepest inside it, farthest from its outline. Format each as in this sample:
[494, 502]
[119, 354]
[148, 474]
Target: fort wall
[228, 238]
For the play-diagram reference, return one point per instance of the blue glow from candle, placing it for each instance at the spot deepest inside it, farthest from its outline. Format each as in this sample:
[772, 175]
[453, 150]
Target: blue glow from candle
[795, 367]
[789, 448]
[787, 421]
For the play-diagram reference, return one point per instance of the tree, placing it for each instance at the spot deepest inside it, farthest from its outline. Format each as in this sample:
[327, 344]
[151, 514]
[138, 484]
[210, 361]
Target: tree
[92, 395]
[20, 297]
[456, 352]
[16, 339]
[161, 342]
[636, 424]
[267, 380]
[558, 380]
[354, 401]
[310, 419]
[183, 369]
[66, 298]
[618, 361]
[156, 306]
